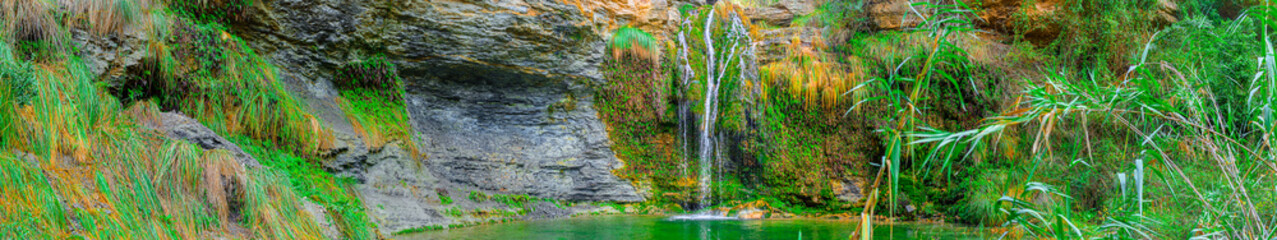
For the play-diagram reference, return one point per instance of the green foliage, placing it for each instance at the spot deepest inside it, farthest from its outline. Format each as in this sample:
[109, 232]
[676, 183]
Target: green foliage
[137, 185]
[1118, 144]
[213, 11]
[980, 205]
[43, 215]
[273, 208]
[65, 140]
[831, 13]
[1094, 34]
[374, 75]
[17, 88]
[794, 163]
[31, 24]
[512, 201]
[635, 43]
[215, 77]
[445, 199]
[910, 93]
[372, 96]
[455, 212]
[478, 196]
[379, 121]
[310, 181]
[419, 229]
[635, 103]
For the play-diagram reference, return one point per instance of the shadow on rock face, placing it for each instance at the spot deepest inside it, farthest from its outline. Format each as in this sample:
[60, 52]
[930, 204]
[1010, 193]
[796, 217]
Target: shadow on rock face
[505, 131]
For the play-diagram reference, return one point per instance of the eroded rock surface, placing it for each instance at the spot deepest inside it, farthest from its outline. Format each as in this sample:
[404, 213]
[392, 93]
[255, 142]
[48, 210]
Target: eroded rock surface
[499, 94]
[781, 13]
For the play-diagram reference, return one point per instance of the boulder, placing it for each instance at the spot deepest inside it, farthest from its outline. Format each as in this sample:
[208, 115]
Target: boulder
[848, 190]
[893, 14]
[178, 126]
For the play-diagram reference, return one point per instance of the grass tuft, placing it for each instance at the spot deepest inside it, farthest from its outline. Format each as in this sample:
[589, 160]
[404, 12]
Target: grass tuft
[634, 43]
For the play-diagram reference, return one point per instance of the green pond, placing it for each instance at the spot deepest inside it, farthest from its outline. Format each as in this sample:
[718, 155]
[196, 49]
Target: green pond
[660, 227]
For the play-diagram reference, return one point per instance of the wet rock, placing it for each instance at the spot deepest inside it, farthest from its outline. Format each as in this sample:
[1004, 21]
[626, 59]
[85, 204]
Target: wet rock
[354, 158]
[543, 210]
[751, 214]
[848, 191]
[756, 210]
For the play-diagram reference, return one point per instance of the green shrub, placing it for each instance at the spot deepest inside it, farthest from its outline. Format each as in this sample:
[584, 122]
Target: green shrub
[310, 181]
[445, 199]
[478, 196]
[375, 74]
[512, 201]
[17, 85]
[218, 11]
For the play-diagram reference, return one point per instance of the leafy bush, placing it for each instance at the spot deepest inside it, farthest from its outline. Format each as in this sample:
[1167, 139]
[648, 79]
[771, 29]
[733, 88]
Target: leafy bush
[1095, 34]
[17, 85]
[445, 199]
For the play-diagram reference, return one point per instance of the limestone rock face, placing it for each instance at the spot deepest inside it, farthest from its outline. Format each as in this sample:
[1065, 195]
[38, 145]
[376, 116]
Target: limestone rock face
[499, 94]
[781, 13]
[893, 14]
[542, 139]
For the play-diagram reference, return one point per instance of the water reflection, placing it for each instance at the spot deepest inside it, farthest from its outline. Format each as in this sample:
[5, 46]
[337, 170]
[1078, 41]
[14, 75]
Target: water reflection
[655, 227]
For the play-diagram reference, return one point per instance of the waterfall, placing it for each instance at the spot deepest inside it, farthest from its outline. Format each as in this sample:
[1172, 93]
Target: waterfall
[717, 62]
[711, 114]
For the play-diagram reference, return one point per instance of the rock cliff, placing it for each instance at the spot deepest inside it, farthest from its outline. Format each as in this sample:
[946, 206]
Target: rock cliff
[499, 94]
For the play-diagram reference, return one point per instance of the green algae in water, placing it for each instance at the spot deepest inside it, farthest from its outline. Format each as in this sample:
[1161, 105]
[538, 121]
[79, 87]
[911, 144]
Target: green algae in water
[657, 227]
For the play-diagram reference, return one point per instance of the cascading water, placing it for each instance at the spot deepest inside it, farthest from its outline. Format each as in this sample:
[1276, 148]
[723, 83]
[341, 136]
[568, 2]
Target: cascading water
[715, 70]
[707, 121]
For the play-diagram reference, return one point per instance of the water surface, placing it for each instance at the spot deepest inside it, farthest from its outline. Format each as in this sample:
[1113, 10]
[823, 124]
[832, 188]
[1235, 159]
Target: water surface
[660, 227]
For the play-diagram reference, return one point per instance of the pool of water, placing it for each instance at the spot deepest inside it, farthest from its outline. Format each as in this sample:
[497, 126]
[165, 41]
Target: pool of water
[660, 227]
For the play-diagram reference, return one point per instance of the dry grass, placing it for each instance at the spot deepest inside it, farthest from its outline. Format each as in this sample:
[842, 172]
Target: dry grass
[78, 164]
[629, 42]
[807, 73]
[374, 137]
[48, 21]
[30, 20]
[224, 181]
[107, 16]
